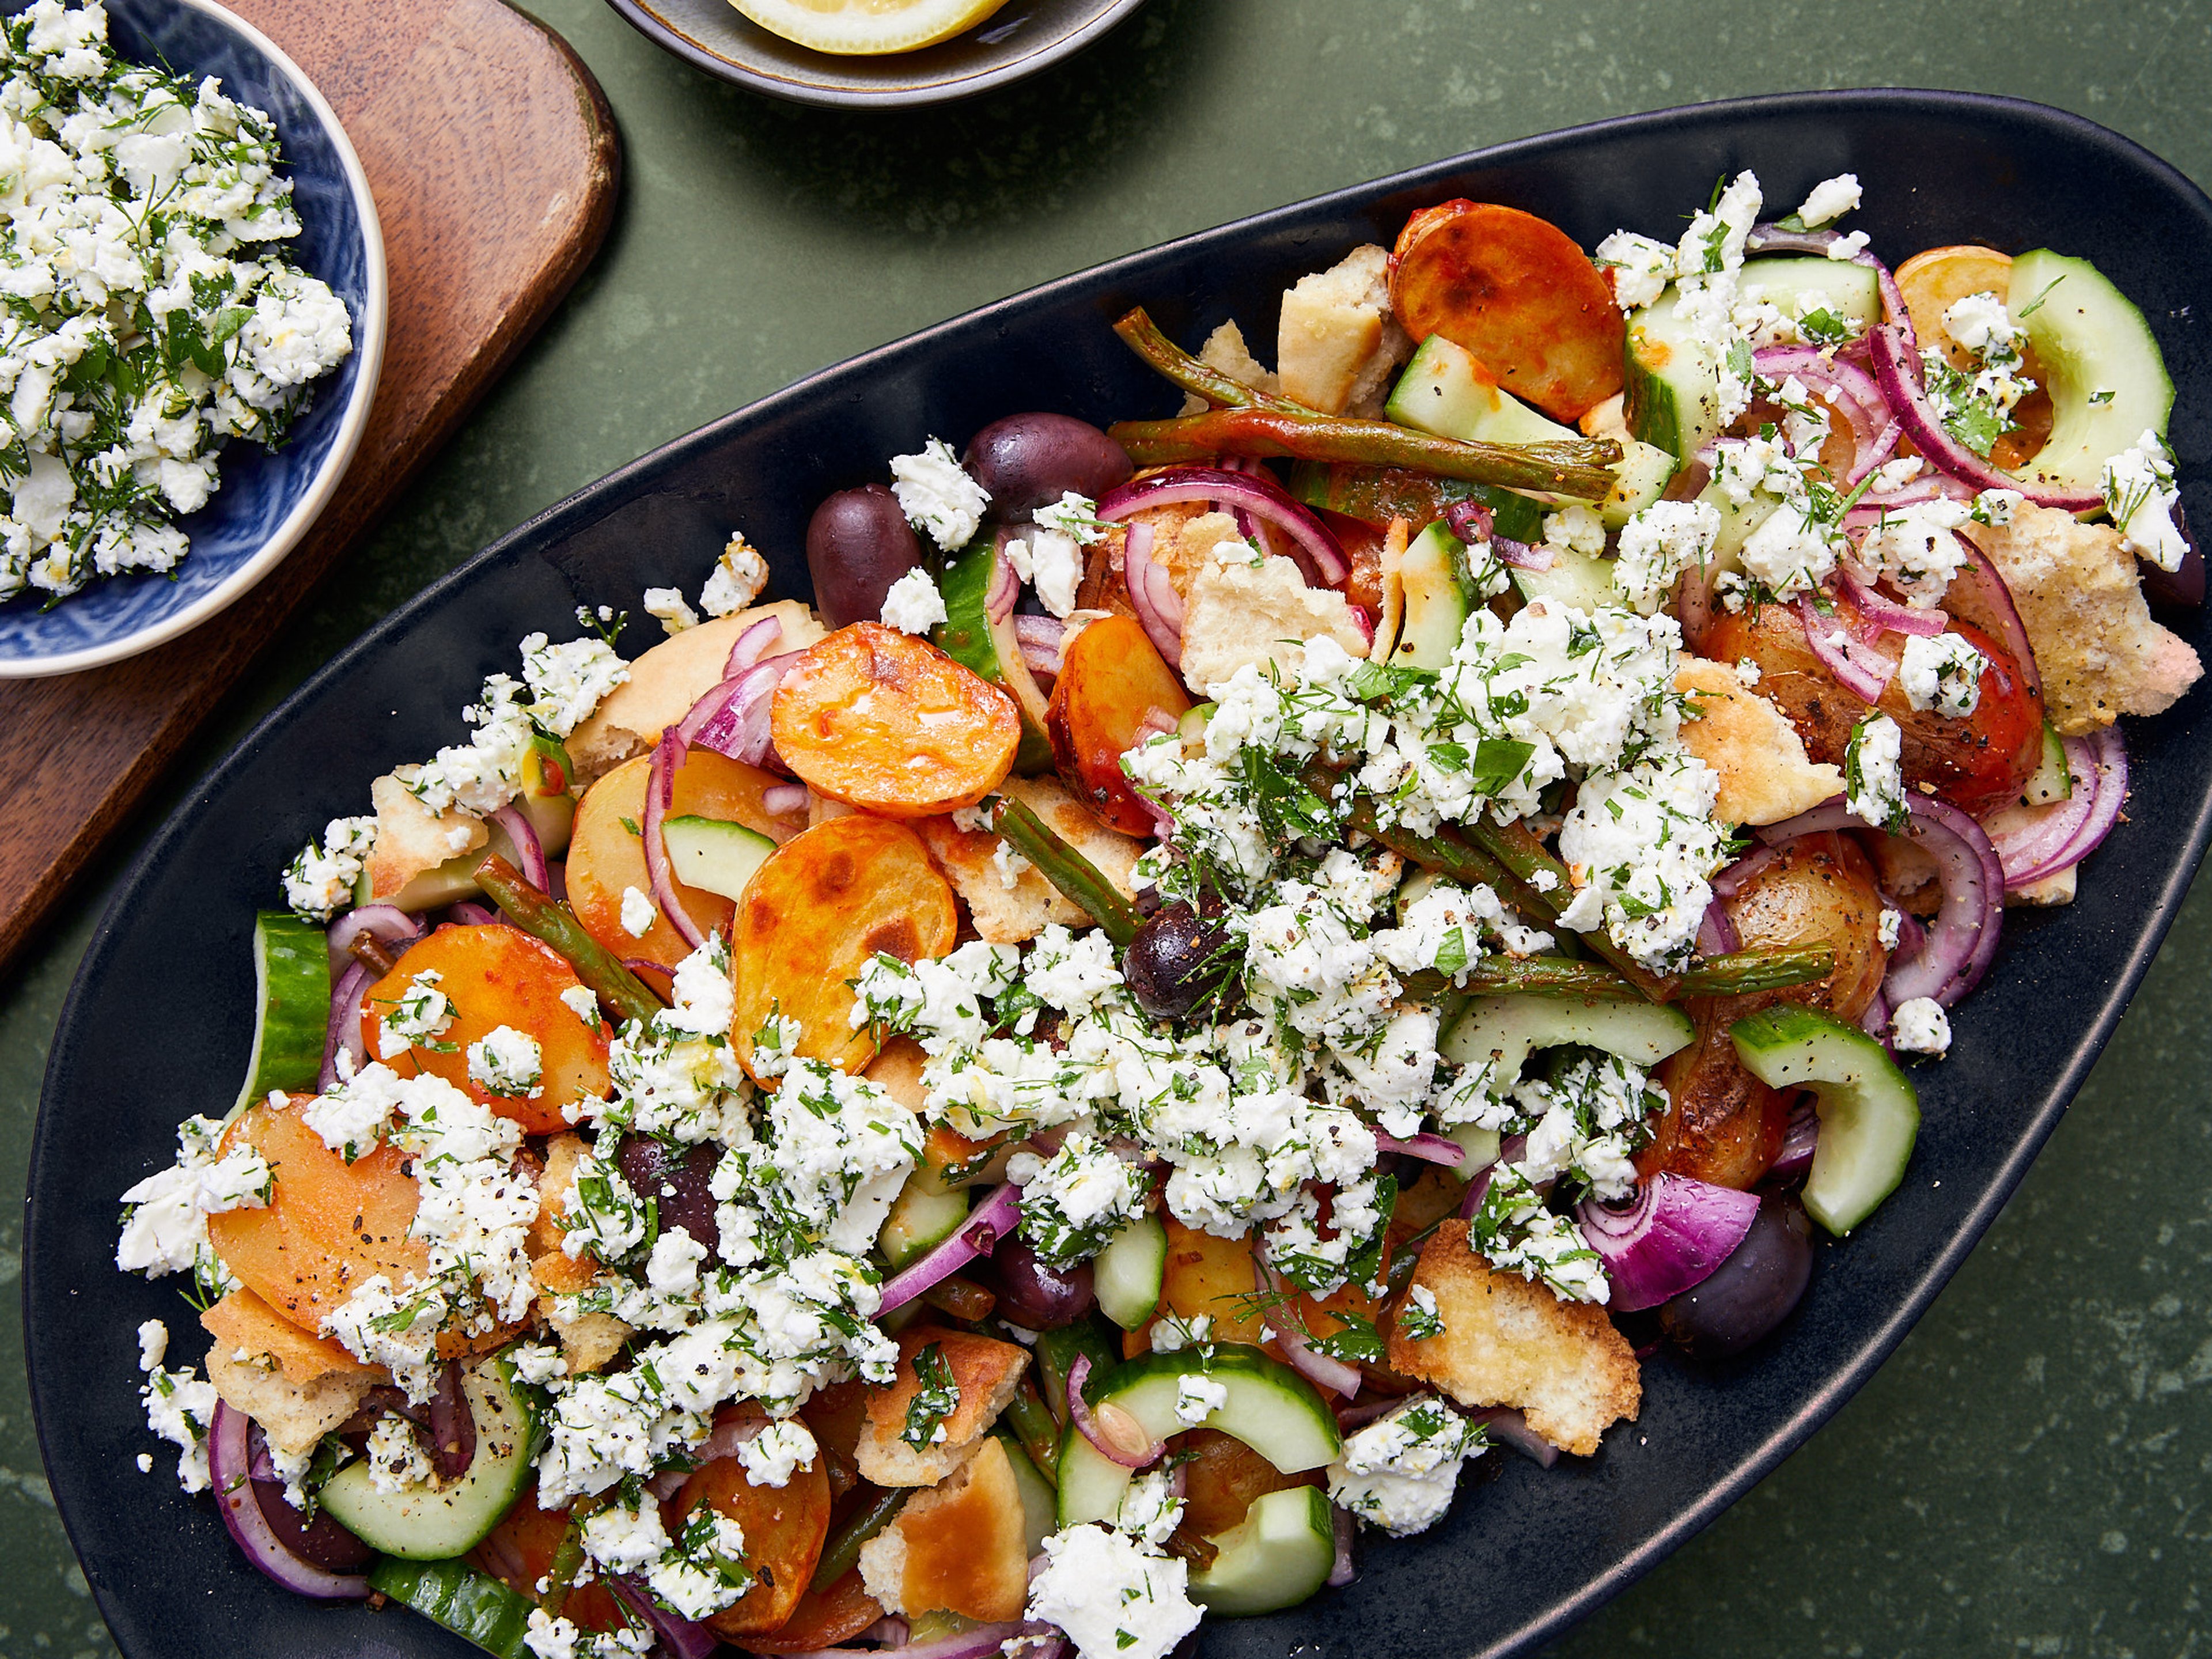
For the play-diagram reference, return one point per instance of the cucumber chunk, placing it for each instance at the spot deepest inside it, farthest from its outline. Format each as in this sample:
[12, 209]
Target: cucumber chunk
[1579, 579]
[1439, 600]
[1641, 478]
[1504, 1031]
[2052, 780]
[712, 855]
[426, 1524]
[473, 1605]
[1869, 1112]
[970, 638]
[1797, 286]
[1269, 1407]
[1128, 1272]
[2091, 342]
[1672, 380]
[291, 1007]
[1040, 1505]
[1446, 389]
[1276, 1556]
[920, 1217]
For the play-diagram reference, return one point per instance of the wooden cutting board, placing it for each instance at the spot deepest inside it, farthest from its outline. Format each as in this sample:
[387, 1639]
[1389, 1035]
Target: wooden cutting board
[494, 162]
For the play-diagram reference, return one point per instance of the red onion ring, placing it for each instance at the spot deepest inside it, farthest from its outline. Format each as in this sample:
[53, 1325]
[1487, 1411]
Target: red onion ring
[1510, 1151]
[1512, 1428]
[782, 800]
[230, 1472]
[1963, 941]
[1716, 934]
[1857, 667]
[1847, 388]
[1152, 593]
[1474, 524]
[660, 791]
[343, 1030]
[979, 1235]
[529, 851]
[1668, 1239]
[1978, 594]
[469, 915]
[682, 1638]
[1005, 588]
[1041, 640]
[1087, 1422]
[1430, 1149]
[1341, 1571]
[750, 645]
[1879, 612]
[1290, 1330]
[984, 1642]
[1730, 881]
[1257, 494]
[2076, 827]
[1803, 1134]
[388, 924]
[1897, 369]
[732, 719]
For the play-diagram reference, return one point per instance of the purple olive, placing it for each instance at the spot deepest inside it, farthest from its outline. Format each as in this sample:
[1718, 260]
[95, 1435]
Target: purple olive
[1177, 959]
[675, 1179]
[1033, 1295]
[1753, 1289]
[322, 1541]
[1028, 461]
[858, 543]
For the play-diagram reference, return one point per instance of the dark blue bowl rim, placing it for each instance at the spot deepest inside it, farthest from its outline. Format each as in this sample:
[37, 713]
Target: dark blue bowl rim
[580, 510]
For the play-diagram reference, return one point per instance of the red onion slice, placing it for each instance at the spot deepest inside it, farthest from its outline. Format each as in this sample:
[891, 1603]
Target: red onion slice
[1430, 1149]
[1152, 593]
[1730, 881]
[1881, 612]
[466, 915]
[1290, 1330]
[1041, 640]
[979, 1235]
[1963, 941]
[1005, 588]
[1978, 594]
[1669, 1237]
[660, 791]
[984, 1642]
[343, 1030]
[1341, 1571]
[1857, 666]
[1803, 1134]
[682, 1638]
[732, 719]
[1849, 390]
[1512, 1429]
[1521, 554]
[230, 1473]
[1897, 370]
[1716, 934]
[1117, 1435]
[2073, 829]
[1256, 493]
[1473, 522]
[388, 925]
[783, 800]
[751, 644]
[529, 852]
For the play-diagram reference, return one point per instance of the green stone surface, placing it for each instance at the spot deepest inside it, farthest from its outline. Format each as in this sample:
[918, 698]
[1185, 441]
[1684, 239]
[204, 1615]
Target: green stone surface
[2028, 1475]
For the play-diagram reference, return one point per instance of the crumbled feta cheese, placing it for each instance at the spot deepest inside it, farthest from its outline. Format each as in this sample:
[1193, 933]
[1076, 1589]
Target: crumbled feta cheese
[1920, 1027]
[1941, 671]
[1874, 775]
[1890, 928]
[1913, 546]
[638, 913]
[1830, 199]
[180, 1407]
[1641, 845]
[567, 680]
[1150, 1510]
[914, 605]
[396, 1458]
[318, 882]
[778, 1452]
[1399, 1471]
[666, 606]
[739, 577]
[1657, 544]
[2140, 495]
[1747, 672]
[1009, 864]
[1641, 268]
[416, 1018]
[936, 496]
[1575, 529]
[1980, 322]
[583, 1002]
[1198, 1397]
[1073, 1201]
[506, 1061]
[165, 1216]
[1115, 1598]
[1053, 564]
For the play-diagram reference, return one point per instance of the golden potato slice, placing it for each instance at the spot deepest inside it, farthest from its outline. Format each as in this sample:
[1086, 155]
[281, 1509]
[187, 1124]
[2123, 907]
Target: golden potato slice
[784, 1527]
[813, 915]
[1212, 1276]
[888, 723]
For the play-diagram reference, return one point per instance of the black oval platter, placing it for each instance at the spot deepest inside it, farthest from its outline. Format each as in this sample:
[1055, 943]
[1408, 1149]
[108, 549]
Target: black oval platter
[157, 1024]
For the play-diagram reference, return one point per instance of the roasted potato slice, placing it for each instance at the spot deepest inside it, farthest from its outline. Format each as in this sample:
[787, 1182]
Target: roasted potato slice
[816, 911]
[888, 723]
[1112, 688]
[1214, 1276]
[826, 1617]
[784, 1526]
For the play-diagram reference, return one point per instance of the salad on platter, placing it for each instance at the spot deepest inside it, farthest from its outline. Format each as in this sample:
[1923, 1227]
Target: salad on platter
[1220, 966]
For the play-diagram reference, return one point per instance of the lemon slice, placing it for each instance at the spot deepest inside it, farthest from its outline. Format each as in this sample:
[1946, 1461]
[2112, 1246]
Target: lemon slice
[856, 28]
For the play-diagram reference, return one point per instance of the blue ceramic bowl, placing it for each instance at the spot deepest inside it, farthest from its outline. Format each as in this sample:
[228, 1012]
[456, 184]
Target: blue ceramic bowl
[266, 502]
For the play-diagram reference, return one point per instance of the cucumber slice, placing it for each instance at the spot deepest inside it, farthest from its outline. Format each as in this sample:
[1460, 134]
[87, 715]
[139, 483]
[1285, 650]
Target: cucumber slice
[970, 638]
[714, 855]
[919, 1218]
[1505, 1031]
[1869, 1113]
[1480, 1144]
[1672, 380]
[291, 1007]
[1270, 1407]
[2091, 342]
[1040, 1505]
[1446, 389]
[1795, 286]
[473, 1605]
[1575, 578]
[1276, 1556]
[1642, 477]
[2053, 780]
[427, 1524]
[1128, 1272]
[1437, 600]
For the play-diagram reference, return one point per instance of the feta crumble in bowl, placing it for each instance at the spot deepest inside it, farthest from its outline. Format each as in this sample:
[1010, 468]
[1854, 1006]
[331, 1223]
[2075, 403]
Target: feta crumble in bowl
[273, 280]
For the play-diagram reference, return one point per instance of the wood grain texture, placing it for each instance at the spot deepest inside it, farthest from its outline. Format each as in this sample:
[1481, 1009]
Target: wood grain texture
[495, 163]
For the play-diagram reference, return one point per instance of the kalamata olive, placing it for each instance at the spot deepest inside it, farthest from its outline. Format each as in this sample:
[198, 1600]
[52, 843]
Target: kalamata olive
[1033, 1295]
[1028, 461]
[858, 543]
[1177, 959]
[1751, 1291]
[322, 1541]
[676, 1180]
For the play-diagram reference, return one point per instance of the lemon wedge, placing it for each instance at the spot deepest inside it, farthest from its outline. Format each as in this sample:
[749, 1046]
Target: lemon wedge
[855, 28]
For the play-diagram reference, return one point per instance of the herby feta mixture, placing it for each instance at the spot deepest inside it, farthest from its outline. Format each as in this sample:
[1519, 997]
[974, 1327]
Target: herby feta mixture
[1314, 1021]
[152, 314]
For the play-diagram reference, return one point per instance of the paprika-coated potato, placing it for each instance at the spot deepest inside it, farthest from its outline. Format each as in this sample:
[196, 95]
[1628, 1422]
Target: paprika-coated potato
[1112, 688]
